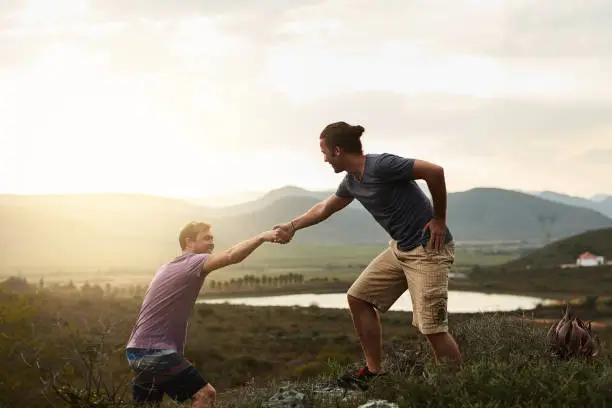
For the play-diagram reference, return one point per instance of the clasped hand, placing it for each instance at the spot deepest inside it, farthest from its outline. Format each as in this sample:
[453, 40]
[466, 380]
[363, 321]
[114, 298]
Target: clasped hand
[285, 232]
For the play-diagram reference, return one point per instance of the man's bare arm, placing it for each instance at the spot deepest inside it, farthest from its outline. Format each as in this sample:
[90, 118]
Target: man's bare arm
[434, 176]
[240, 251]
[316, 214]
[321, 211]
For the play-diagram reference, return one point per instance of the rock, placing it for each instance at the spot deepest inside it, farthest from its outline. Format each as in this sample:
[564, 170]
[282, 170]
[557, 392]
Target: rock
[331, 392]
[287, 398]
[379, 404]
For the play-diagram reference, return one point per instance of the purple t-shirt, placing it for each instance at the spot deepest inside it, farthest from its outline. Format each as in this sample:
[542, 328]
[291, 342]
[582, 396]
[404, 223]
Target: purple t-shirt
[168, 303]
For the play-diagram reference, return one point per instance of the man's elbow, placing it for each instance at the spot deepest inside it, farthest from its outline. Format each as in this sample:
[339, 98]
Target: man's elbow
[322, 210]
[435, 174]
[430, 172]
[439, 170]
[230, 258]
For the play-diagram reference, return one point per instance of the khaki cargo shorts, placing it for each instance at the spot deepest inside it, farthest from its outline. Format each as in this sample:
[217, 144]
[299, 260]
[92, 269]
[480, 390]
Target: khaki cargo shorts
[424, 272]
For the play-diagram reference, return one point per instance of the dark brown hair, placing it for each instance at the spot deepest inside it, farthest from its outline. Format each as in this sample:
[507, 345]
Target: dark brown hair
[345, 136]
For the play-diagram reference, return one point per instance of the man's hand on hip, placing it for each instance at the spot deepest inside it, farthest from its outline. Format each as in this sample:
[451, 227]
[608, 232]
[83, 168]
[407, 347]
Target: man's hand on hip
[437, 232]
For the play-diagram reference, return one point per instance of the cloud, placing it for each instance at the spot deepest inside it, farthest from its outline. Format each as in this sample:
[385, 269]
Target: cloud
[492, 81]
[506, 28]
[550, 28]
[253, 118]
[600, 156]
[9, 9]
[169, 9]
[488, 49]
[491, 45]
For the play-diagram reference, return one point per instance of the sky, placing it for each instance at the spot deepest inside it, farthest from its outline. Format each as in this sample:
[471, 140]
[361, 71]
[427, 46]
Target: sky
[195, 98]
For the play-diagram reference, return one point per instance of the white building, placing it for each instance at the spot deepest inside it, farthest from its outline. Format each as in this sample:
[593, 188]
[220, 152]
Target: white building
[588, 259]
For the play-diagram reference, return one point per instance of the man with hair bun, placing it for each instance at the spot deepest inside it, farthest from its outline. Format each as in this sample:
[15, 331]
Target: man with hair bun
[420, 252]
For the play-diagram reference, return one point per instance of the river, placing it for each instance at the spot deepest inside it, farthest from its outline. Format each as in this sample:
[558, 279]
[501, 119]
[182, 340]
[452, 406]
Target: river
[458, 301]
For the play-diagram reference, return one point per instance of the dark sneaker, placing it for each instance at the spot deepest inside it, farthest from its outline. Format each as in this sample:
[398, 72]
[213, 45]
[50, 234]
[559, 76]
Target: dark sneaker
[360, 380]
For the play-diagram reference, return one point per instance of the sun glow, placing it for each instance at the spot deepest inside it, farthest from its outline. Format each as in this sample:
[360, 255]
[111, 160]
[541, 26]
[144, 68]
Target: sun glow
[44, 11]
[70, 128]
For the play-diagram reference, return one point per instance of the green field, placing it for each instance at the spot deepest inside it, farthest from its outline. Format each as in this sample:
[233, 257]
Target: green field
[334, 262]
[351, 256]
[76, 342]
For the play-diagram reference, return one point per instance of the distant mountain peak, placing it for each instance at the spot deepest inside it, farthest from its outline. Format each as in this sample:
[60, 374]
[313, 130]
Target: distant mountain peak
[598, 198]
[288, 188]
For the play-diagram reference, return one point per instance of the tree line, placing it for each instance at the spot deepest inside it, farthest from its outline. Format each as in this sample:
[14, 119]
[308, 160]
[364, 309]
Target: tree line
[246, 282]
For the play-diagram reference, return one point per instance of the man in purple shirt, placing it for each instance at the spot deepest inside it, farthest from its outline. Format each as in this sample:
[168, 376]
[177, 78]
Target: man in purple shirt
[155, 349]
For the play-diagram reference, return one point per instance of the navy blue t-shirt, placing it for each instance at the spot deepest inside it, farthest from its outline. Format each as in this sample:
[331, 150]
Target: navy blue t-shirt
[388, 191]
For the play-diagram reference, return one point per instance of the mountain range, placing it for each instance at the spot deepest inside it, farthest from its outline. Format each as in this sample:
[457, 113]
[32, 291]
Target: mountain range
[128, 230]
[240, 203]
[600, 202]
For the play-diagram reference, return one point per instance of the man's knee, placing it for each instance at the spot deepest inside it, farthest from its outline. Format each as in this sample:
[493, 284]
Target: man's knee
[205, 396]
[356, 303]
[438, 336]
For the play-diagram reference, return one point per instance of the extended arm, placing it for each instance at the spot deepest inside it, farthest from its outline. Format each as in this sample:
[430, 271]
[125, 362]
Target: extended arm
[317, 213]
[240, 251]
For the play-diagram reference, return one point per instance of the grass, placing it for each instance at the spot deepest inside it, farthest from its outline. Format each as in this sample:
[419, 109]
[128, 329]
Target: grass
[506, 364]
[77, 340]
[548, 282]
[542, 282]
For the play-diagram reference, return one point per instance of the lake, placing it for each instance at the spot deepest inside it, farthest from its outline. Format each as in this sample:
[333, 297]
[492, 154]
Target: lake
[458, 301]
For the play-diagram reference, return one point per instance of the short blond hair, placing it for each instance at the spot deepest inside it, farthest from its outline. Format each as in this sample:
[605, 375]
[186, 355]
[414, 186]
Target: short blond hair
[191, 230]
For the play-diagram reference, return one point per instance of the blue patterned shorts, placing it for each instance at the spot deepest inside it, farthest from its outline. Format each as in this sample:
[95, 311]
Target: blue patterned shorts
[158, 372]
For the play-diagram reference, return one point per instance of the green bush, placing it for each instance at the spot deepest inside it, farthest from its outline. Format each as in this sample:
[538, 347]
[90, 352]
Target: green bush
[506, 364]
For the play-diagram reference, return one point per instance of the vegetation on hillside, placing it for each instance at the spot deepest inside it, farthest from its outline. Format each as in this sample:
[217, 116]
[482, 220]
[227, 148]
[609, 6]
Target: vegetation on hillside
[269, 280]
[565, 251]
[549, 282]
[71, 346]
[506, 364]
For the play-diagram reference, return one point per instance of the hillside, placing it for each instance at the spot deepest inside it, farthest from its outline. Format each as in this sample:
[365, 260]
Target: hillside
[125, 231]
[566, 250]
[603, 204]
[492, 214]
[138, 231]
[347, 227]
[246, 352]
[113, 230]
[475, 215]
[270, 197]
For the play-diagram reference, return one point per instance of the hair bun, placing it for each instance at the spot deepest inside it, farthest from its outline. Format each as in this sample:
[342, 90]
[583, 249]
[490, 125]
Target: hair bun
[358, 130]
